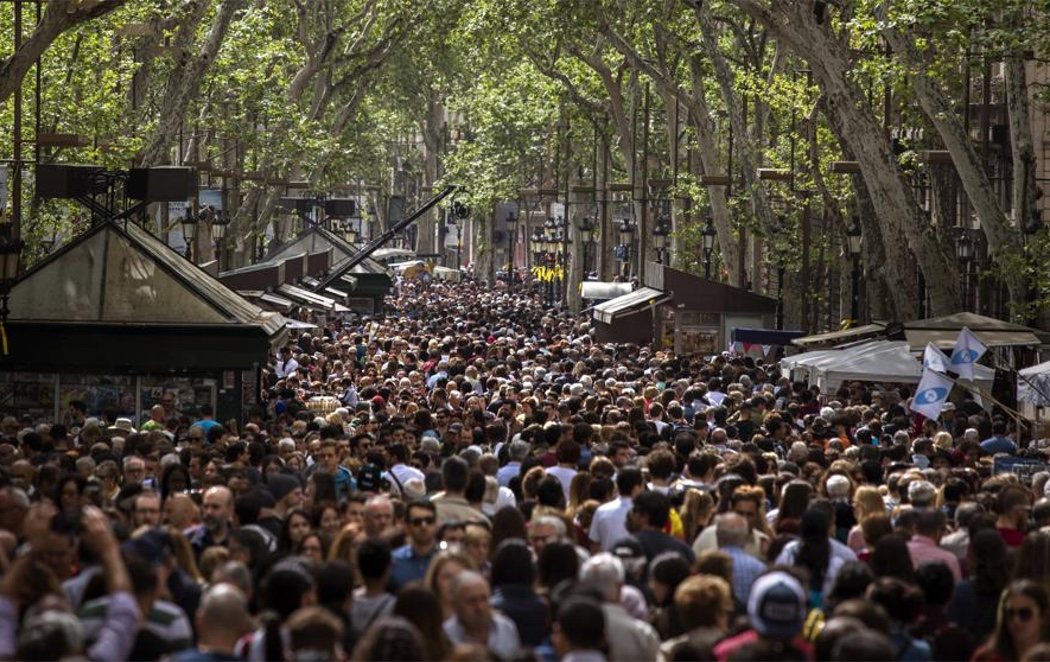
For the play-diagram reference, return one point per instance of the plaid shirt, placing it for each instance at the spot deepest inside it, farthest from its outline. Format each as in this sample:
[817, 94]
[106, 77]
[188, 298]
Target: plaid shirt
[746, 570]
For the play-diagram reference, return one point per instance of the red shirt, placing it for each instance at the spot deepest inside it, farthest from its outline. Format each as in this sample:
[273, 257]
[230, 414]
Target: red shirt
[1012, 537]
[727, 647]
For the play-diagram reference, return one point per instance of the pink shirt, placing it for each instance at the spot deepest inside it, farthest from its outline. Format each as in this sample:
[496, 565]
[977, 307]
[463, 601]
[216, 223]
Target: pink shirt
[925, 550]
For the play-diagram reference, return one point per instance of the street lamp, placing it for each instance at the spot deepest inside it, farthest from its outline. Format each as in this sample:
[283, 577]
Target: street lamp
[587, 229]
[660, 234]
[189, 232]
[512, 236]
[10, 255]
[964, 250]
[854, 239]
[218, 226]
[623, 251]
[708, 235]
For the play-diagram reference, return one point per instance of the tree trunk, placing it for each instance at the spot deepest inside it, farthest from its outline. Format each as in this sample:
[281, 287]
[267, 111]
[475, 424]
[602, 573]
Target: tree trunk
[972, 175]
[748, 156]
[905, 224]
[58, 17]
[182, 90]
[433, 129]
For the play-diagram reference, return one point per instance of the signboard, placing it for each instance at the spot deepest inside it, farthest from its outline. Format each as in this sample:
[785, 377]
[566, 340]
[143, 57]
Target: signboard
[1022, 467]
[210, 196]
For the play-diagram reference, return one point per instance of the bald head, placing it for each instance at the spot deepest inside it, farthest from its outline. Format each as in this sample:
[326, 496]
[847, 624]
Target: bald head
[731, 530]
[222, 618]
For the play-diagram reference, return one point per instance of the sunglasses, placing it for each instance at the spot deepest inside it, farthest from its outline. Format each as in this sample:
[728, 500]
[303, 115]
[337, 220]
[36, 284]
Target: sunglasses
[421, 521]
[1024, 614]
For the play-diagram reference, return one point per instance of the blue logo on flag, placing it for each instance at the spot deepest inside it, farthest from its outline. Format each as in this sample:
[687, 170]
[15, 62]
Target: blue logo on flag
[931, 395]
[966, 355]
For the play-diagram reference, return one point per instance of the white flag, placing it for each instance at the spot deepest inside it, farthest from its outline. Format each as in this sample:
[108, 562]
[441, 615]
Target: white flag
[968, 349]
[931, 394]
[936, 360]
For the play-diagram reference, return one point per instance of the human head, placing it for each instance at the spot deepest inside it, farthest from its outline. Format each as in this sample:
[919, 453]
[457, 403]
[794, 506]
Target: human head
[421, 522]
[579, 625]
[731, 530]
[704, 601]
[777, 606]
[470, 601]
[217, 508]
[1022, 618]
[146, 510]
[378, 515]
[605, 573]
[222, 617]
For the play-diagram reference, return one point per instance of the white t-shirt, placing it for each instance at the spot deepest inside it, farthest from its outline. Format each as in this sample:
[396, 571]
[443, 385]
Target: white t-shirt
[609, 525]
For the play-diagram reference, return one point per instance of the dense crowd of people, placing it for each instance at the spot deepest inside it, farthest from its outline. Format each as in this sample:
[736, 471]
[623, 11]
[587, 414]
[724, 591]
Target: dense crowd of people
[473, 476]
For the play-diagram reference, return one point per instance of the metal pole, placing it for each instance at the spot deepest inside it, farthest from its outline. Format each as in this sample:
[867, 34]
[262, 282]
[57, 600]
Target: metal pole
[16, 176]
[855, 295]
[780, 296]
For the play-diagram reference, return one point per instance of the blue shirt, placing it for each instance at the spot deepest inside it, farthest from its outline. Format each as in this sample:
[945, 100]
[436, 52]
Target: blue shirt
[205, 424]
[997, 444]
[746, 570]
[507, 472]
[407, 566]
[344, 482]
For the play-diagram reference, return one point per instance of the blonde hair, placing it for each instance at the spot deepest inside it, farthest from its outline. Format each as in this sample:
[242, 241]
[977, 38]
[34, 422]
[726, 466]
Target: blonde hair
[943, 440]
[867, 500]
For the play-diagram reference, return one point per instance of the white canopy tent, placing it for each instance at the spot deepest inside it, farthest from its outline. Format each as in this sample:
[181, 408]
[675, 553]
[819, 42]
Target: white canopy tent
[875, 361]
[1033, 385]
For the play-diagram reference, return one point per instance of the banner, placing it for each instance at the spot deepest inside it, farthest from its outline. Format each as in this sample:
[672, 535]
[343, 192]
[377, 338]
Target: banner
[931, 394]
[968, 349]
[936, 360]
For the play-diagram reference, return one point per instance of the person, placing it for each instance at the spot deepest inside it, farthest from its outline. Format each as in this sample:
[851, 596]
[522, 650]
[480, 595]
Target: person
[902, 602]
[473, 620]
[117, 633]
[1022, 623]
[579, 631]
[206, 422]
[442, 571]
[315, 633]
[410, 561]
[419, 606]
[609, 524]
[452, 504]
[923, 546]
[378, 516]
[648, 517]
[704, 604]
[216, 520]
[371, 601]
[732, 534]
[345, 483]
[221, 621]
[747, 503]
[998, 442]
[513, 594]
[814, 552]
[1014, 508]
[629, 638]
[776, 610]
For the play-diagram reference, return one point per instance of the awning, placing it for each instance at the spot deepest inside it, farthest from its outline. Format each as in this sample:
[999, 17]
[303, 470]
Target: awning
[839, 337]
[339, 294]
[308, 298]
[603, 290]
[296, 324]
[945, 338]
[392, 253]
[628, 303]
[764, 336]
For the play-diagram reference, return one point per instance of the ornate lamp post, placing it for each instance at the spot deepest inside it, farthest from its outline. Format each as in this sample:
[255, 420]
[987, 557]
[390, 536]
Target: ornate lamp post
[708, 234]
[512, 237]
[660, 234]
[10, 256]
[588, 231]
[189, 232]
[623, 250]
[964, 250]
[854, 240]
